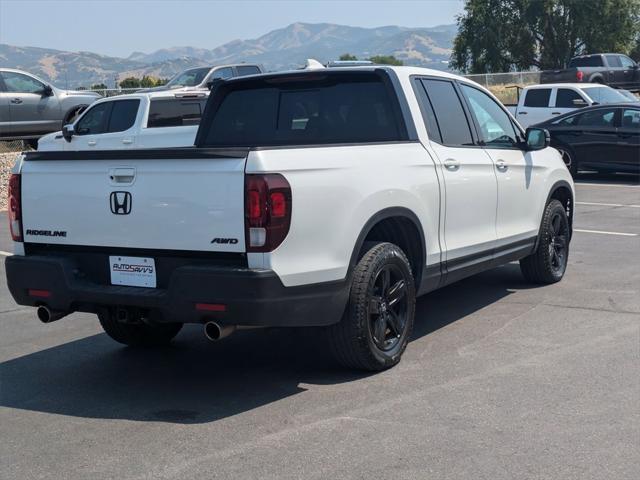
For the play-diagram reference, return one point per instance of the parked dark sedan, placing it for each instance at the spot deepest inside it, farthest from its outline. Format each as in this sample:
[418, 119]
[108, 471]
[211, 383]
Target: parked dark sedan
[605, 138]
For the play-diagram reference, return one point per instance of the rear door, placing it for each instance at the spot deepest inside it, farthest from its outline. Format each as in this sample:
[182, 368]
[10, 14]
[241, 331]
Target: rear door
[171, 199]
[597, 144]
[535, 106]
[31, 111]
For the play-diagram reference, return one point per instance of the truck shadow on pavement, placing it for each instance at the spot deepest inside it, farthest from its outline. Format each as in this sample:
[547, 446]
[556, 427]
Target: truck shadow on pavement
[194, 381]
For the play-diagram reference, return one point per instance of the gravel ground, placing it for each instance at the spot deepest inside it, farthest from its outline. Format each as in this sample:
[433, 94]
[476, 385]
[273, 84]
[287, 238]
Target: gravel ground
[6, 164]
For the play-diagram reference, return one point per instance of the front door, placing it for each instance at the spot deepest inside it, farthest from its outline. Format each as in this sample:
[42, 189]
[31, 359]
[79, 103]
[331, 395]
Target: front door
[519, 177]
[469, 179]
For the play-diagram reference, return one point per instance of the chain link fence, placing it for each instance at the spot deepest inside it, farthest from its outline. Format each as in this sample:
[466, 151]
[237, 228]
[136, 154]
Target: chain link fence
[503, 85]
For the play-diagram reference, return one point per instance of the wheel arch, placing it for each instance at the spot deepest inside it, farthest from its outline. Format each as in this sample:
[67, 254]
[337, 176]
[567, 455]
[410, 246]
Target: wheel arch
[400, 226]
[561, 191]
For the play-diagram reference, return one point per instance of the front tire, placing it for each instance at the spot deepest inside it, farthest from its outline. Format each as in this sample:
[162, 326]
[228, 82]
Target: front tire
[378, 321]
[138, 334]
[549, 262]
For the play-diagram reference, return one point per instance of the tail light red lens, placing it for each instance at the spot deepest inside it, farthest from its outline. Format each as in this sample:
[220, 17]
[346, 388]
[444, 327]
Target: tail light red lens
[15, 208]
[267, 211]
[579, 75]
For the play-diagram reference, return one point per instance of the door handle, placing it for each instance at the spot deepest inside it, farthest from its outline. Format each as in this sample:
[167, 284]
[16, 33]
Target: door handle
[91, 143]
[16, 101]
[522, 113]
[555, 113]
[127, 141]
[502, 165]
[451, 164]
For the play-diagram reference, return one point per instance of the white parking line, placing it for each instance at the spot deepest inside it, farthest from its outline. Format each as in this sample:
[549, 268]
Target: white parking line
[580, 184]
[606, 233]
[6, 254]
[608, 204]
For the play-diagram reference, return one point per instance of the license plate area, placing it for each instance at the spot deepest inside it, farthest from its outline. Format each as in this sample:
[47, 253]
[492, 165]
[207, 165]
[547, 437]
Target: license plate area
[133, 271]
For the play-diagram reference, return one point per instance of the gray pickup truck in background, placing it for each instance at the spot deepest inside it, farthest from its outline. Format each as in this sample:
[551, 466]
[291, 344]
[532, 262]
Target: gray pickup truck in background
[31, 107]
[612, 69]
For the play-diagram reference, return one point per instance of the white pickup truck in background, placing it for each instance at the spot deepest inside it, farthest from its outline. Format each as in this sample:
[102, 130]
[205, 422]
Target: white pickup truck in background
[138, 120]
[324, 198]
[537, 103]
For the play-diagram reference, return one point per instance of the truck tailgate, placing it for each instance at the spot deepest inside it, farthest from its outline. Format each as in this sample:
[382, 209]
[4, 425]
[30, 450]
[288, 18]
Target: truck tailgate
[169, 199]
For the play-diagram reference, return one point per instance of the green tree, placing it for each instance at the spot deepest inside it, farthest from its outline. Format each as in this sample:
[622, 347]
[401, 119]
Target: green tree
[348, 57]
[98, 86]
[635, 51]
[504, 35]
[130, 82]
[386, 60]
[161, 81]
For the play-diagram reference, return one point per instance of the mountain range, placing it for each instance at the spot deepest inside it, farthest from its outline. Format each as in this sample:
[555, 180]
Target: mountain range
[279, 49]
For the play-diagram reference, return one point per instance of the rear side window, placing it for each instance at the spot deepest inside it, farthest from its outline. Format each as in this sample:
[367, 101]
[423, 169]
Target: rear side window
[123, 115]
[174, 112]
[428, 115]
[306, 110]
[567, 98]
[594, 61]
[631, 119]
[94, 120]
[451, 119]
[537, 98]
[247, 70]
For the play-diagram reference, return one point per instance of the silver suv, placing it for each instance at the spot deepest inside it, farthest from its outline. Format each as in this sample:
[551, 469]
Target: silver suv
[31, 107]
[200, 78]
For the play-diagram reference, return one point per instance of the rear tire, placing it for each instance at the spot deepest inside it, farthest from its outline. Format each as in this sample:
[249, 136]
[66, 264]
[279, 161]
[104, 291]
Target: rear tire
[138, 334]
[549, 262]
[378, 321]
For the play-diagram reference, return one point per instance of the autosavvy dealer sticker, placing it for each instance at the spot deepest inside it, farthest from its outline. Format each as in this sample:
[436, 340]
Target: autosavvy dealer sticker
[133, 271]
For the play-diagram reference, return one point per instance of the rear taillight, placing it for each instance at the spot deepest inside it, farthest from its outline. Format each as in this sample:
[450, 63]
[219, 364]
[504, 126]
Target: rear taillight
[267, 211]
[15, 208]
[579, 75]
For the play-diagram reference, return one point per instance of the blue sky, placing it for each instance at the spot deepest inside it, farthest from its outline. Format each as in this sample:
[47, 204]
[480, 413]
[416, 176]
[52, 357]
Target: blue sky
[115, 27]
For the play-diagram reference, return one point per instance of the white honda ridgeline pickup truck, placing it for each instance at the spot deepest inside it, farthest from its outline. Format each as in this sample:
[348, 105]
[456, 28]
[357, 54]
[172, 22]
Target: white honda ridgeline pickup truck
[327, 198]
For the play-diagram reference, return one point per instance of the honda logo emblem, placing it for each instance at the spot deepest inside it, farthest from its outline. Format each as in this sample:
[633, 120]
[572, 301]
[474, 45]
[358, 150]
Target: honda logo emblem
[120, 203]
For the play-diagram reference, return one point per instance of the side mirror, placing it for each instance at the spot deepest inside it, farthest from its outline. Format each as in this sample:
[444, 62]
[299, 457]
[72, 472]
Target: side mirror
[537, 138]
[212, 84]
[579, 102]
[47, 91]
[67, 132]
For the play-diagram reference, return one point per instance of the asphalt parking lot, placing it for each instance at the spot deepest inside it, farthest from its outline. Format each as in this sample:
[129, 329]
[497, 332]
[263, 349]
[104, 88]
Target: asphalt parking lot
[502, 380]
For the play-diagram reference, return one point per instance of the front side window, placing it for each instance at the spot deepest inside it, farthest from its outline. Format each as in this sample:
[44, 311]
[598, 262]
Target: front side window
[189, 78]
[567, 98]
[598, 118]
[537, 98]
[94, 120]
[174, 112]
[631, 119]
[614, 61]
[222, 74]
[627, 62]
[449, 113]
[495, 125]
[567, 121]
[123, 115]
[305, 110]
[19, 83]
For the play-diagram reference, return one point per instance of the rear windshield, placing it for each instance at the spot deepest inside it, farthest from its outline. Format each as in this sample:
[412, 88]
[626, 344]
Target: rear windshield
[309, 109]
[175, 112]
[595, 61]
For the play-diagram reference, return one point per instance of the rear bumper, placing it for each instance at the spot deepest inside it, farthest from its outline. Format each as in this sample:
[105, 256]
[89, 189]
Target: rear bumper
[250, 297]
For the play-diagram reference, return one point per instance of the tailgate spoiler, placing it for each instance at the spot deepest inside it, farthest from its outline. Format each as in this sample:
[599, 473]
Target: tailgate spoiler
[192, 153]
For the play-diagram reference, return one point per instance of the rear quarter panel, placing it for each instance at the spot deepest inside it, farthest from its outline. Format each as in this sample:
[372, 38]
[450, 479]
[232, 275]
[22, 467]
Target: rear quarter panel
[335, 191]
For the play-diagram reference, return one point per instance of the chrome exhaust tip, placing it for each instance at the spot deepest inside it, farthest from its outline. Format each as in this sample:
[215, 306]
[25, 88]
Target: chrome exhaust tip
[214, 331]
[46, 315]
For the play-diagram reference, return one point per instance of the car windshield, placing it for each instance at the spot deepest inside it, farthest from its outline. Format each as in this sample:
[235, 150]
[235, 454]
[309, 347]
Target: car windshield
[189, 78]
[629, 95]
[605, 95]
